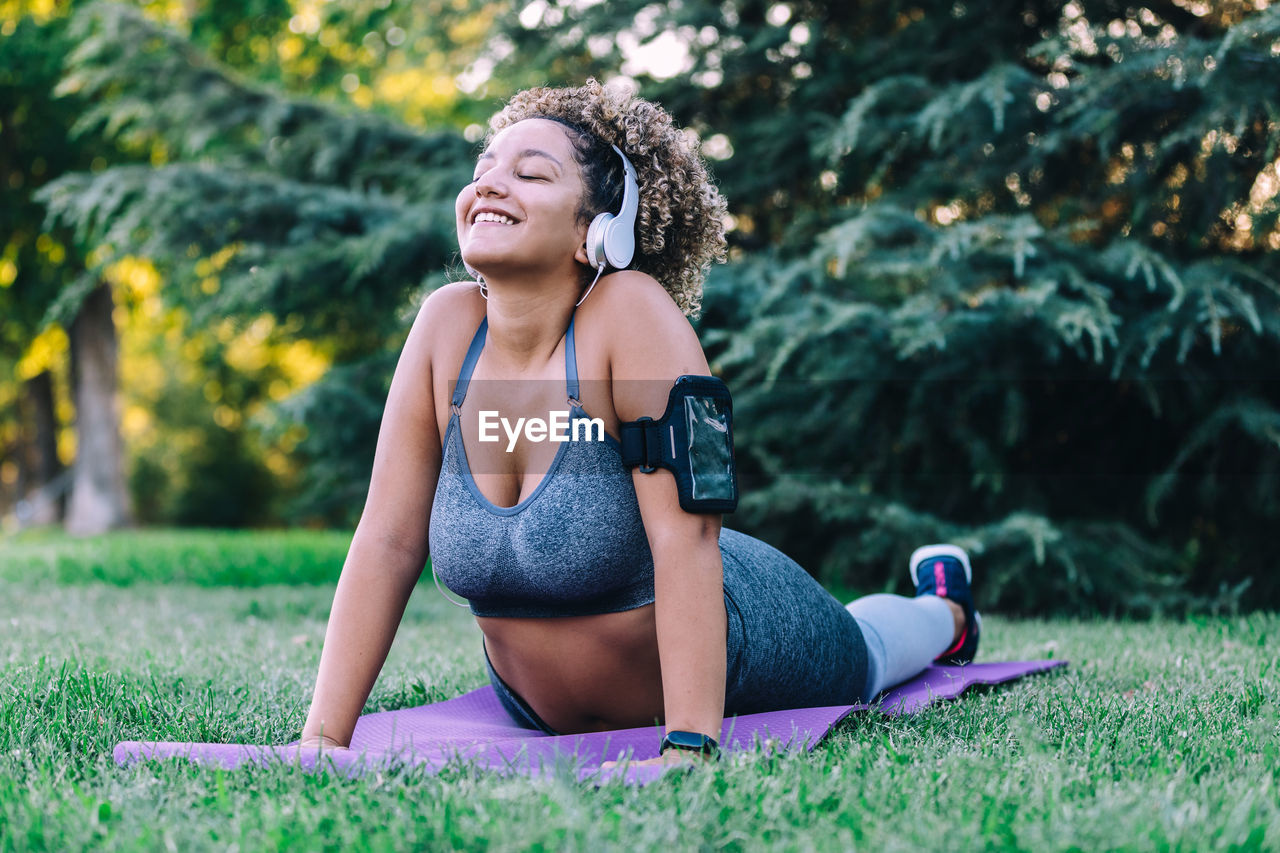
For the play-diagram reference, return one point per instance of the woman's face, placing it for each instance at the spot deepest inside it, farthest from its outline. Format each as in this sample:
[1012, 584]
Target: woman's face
[521, 211]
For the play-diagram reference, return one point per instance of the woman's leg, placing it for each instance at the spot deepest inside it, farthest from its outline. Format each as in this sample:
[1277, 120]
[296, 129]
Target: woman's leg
[903, 635]
[791, 644]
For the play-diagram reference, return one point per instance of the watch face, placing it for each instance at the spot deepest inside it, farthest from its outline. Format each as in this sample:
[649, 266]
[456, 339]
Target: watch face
[690, 741]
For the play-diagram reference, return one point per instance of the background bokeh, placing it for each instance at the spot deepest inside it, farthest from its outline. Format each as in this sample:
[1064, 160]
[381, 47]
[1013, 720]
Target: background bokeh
[1005, 278]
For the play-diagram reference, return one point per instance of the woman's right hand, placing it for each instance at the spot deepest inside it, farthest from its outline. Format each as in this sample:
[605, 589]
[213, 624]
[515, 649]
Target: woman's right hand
[316, 747]
[323, 743]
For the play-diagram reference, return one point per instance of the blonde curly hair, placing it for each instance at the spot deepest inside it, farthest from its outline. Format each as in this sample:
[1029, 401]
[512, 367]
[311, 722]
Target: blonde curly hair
[681, 219]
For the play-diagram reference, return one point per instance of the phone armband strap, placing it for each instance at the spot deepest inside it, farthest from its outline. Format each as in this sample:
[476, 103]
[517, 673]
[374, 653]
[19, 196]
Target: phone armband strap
[693, 440]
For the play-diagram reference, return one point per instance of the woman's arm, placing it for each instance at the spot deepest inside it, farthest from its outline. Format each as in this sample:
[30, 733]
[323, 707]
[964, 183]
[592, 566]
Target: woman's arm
[688, 573]
[389, 548]
[376, 580]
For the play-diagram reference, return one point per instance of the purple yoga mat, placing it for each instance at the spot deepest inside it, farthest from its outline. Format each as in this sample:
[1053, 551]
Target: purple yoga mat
[474, 727]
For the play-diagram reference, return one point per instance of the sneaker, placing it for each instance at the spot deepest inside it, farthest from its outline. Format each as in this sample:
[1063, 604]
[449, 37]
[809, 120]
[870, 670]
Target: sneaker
[944, 570]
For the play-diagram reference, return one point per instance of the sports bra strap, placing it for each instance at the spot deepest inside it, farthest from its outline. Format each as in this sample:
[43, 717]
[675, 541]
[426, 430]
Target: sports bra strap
[473, 355]
[571, 366]
[468, 365]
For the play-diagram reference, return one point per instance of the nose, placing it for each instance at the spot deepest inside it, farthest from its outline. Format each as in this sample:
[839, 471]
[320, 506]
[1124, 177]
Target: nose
[489, 184]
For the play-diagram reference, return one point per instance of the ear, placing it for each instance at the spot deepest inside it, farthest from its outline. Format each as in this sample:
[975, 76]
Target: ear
[581, 254]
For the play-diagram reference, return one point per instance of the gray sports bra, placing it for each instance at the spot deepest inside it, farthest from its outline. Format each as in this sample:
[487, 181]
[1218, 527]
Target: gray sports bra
[574, 547]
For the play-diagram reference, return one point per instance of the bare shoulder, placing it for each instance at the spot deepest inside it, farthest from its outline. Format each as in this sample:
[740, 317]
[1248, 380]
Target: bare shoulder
[649, 339]
[449, 306]
[445, 322]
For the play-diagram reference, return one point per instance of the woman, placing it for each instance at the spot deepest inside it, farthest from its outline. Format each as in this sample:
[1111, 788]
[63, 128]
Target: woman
[603, 603]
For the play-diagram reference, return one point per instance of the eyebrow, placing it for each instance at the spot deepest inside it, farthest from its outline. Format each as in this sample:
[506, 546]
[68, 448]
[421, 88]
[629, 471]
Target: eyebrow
[528, 152]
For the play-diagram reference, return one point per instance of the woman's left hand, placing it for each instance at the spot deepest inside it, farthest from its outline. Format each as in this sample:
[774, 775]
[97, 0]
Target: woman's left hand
[682, 757]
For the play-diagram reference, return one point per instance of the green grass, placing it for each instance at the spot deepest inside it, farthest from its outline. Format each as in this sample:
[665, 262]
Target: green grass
[202, 557]
[1161, 735]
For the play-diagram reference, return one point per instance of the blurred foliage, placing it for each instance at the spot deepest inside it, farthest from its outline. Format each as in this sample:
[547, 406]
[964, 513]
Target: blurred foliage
[191, 395]
[35, 263]
[327, 218]
[1007, 280]
[341, 414]
[204, 445]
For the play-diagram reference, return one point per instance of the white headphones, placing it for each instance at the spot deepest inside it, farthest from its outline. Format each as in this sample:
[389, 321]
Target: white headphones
[611, 240]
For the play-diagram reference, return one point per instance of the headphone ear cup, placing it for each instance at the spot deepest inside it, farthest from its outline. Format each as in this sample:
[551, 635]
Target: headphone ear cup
[597, 236]
[611, 240]
[618, 244]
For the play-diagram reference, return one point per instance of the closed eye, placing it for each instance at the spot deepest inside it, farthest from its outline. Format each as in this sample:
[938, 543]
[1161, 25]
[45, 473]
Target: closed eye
[522, 177]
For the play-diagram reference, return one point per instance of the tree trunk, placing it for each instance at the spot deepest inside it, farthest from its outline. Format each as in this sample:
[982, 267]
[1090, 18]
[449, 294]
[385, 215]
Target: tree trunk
[46, 503]
[99, 501]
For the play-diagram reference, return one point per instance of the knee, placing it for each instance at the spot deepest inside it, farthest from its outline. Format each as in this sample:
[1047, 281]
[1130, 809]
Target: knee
[871, 602]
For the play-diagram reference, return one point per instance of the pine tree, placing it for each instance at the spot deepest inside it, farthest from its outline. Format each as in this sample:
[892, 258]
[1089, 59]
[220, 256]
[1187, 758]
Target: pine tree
[330, 219]
[1007, 280]
[1003, 279]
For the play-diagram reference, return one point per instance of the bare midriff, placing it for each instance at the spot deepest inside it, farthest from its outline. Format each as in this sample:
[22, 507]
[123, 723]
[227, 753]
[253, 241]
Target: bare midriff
[581, 673]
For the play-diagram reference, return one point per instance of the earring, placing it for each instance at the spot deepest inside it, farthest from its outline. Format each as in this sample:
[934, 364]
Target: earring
[474, 273]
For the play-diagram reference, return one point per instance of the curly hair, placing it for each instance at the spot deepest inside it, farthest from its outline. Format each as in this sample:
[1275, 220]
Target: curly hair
[681, 219]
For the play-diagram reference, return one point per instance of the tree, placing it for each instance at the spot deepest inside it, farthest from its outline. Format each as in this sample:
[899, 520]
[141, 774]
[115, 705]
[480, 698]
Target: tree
[1008, 280]
[326, 218]
[394, 58]
[98, 499]
[36, 146]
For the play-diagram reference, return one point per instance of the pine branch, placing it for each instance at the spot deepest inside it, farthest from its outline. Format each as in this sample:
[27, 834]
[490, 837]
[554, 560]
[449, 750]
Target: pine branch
[318, 251]
[149, 85]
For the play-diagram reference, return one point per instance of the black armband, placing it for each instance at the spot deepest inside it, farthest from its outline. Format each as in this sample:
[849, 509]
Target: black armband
[693, 440]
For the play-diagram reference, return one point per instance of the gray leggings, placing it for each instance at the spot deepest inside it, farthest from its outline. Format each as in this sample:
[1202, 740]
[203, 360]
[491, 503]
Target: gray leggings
[792, 645]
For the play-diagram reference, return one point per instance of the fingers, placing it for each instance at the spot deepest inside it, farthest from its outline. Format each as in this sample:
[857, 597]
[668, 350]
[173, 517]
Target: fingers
[681, 757]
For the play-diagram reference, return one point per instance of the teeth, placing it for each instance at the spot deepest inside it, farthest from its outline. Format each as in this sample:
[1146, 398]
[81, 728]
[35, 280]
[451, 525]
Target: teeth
[494, 217]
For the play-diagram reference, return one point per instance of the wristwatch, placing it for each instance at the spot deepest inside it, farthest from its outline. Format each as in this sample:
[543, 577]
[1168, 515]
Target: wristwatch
[691, 742]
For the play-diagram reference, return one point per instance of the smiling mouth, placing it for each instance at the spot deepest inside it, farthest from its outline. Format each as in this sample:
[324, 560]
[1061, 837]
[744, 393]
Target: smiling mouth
[495, 218]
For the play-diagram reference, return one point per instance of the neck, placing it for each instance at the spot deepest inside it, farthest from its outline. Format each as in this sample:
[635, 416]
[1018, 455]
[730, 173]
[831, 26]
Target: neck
[527, 318]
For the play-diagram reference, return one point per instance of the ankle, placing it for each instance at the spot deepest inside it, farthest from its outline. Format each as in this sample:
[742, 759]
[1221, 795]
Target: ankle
[957, 614]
